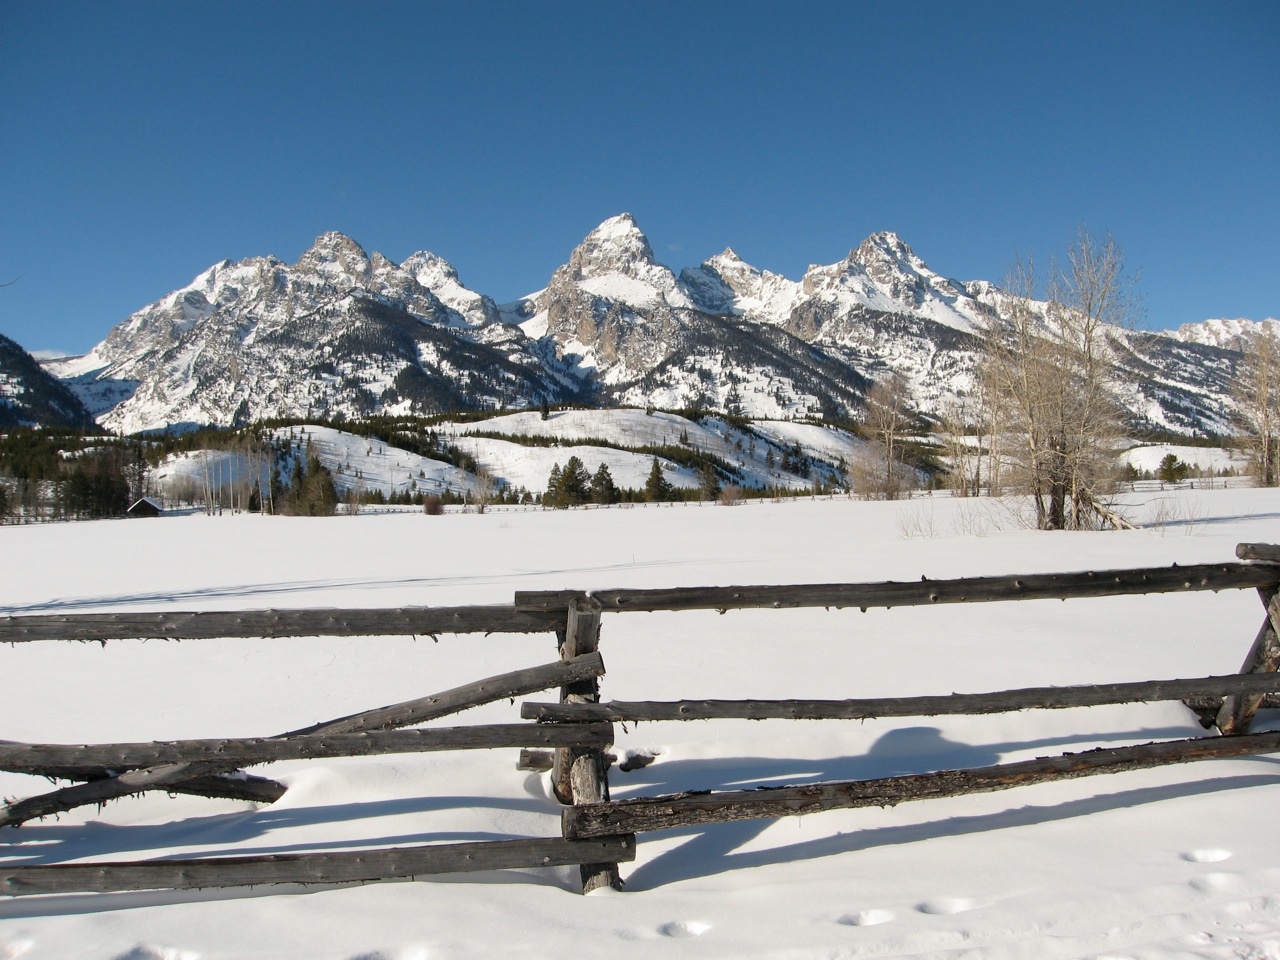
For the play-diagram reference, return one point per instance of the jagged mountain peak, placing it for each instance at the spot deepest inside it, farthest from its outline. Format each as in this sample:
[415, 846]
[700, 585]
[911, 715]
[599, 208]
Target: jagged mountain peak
[885, 274]
[728, 257]
[430, 269]
[726, 283]
[336, 255]
[616, 246]
[887, 259]
[884, 244]
[439, 276]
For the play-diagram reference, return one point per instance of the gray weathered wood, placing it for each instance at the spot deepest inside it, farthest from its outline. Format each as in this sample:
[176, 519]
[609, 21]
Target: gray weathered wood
[580, 774]
[40, 758]
[405, 621]
[1052, 586]
[1238, 709]
[517, 683]
[1266, 552]
[354, 866]
[242, 787]
[686, 809]
[538, 760]
[1005, 701]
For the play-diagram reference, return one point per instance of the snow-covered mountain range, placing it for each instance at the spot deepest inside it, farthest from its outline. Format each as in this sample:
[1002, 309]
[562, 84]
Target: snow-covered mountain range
[345, 332]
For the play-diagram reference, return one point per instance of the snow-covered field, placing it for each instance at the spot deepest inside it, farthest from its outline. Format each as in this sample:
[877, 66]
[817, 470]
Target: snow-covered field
[1180, 862]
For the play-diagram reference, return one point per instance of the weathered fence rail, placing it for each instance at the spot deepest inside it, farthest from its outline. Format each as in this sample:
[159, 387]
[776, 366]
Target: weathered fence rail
[1045, 586]
[220, 624]
[687, 809]
[955, 704]
[597, 833]
[212, 767]
[1227, 702]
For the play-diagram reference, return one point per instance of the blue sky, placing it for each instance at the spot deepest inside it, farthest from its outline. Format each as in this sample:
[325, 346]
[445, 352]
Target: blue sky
[143, 142]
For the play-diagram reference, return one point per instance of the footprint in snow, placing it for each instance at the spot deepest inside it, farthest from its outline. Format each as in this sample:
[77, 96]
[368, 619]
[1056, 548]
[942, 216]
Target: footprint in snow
[947, 906]
[866, 918]
[149, 951]
[1218, 883]
[1207, 855]
[684, 928]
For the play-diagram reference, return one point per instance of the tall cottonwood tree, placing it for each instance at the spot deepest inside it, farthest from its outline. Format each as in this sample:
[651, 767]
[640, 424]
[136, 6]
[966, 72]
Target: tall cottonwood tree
[1256, 391]
[1051, 368]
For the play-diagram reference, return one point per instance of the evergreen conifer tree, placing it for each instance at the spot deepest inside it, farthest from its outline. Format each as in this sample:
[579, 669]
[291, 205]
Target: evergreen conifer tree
[656, 488]
[709, 482]
[575, 483]
[552, 498]
[603, 489]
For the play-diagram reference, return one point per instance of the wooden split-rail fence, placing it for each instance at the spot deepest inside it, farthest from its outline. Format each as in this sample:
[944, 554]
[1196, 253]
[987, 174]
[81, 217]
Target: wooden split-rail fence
[598, 833]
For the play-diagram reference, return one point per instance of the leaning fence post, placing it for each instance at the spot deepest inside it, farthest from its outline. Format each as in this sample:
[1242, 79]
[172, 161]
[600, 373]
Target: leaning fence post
[1237, 711]
[581, 774]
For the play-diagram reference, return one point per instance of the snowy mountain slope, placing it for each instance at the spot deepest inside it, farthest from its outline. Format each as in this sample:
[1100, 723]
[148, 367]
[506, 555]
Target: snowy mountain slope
[344, 332]
[30, 396]
[1179, 385]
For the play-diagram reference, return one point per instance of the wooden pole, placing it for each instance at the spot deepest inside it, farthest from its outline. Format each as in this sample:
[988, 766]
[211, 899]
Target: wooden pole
[1039, 698]
[355, 866]
[580, 774]
[687, 809]
[1238, 709]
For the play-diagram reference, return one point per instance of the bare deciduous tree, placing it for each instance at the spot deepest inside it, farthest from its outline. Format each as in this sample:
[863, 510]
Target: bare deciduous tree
[1256, 391]
[889, 415]
[1051, 369]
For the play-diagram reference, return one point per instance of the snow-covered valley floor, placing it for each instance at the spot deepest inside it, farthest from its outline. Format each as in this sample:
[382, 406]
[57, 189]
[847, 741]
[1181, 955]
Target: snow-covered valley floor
[1178, 862]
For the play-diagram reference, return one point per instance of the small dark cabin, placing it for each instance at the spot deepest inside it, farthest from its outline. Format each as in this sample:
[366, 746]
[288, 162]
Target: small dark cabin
[146, 507]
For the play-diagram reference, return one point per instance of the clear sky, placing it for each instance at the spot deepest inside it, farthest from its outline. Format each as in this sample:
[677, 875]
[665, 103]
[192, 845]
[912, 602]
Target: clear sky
[141, 142]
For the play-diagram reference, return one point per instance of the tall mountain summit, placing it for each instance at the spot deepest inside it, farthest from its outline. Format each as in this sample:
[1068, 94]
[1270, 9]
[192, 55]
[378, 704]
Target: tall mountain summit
[345, 332]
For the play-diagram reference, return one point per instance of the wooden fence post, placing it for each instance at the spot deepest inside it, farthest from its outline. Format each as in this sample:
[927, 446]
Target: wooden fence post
[1237, 711]
[581, 774]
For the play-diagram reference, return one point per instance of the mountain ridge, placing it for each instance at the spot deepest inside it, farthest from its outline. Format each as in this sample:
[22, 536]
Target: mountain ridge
[343, 331]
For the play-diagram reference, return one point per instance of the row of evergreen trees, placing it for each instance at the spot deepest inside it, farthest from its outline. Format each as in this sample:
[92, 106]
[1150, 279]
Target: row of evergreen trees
[571, 485]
